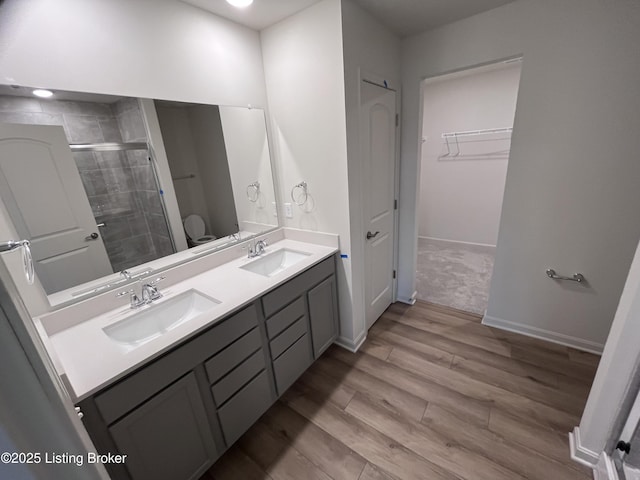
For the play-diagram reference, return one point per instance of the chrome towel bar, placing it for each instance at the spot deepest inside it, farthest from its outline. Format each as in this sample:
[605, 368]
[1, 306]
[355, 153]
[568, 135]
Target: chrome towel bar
[577, 277]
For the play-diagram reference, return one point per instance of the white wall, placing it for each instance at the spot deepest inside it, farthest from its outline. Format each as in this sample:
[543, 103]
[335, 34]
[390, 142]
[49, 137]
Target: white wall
[305, 84]
[213, 165]
[571, 193]
[183, 161]
[461, 185]
[371, 52]
[245, 138]
[143, 48]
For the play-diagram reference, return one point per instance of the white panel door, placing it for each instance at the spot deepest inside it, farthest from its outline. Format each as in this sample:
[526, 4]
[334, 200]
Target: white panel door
[42, 190]
[378, 121]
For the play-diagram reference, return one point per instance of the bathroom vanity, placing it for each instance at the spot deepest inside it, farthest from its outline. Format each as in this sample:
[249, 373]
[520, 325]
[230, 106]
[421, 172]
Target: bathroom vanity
[174, 401]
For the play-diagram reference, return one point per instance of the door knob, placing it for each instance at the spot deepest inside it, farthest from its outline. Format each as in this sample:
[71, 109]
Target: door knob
[93, 236]
[372, 235]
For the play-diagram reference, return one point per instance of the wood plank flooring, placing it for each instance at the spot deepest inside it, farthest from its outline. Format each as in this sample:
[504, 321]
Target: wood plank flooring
[432, 394]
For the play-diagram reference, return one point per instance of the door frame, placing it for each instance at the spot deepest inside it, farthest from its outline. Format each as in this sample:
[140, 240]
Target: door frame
[380, 81]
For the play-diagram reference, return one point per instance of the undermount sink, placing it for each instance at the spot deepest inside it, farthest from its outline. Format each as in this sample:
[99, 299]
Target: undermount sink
[156, 320]
[275, 262]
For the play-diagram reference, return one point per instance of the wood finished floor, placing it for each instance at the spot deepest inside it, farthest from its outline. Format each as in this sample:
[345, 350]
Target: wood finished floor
[432, 394]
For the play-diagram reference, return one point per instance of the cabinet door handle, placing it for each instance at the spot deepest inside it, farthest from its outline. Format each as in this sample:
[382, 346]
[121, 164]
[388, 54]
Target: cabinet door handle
[93, 236]
[372, 235]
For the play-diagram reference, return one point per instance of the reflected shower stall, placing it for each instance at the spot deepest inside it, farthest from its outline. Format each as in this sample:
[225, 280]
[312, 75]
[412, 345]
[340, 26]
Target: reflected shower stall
[109, 145]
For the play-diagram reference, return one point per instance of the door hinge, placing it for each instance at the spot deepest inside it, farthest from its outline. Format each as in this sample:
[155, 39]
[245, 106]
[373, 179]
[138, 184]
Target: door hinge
[394, 274]
[395, 204]
[397, 120]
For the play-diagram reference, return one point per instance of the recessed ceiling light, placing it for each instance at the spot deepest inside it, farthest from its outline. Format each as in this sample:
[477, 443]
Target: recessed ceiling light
[42, 93]
[240, 3]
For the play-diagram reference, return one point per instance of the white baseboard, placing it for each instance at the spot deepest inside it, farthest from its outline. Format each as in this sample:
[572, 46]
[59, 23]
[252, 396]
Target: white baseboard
[579, 453]
[409, 301]
[605, 470]
[475, 244]
[549, 336]
[351, 345]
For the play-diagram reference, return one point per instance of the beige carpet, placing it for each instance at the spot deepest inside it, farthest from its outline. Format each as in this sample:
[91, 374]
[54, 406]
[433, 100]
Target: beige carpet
[453, 274]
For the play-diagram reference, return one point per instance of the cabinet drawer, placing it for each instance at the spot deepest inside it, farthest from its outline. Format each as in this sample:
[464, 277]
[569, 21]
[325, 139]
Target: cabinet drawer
[244, 372]
[290, 365]
[285, 294]
[285, 317]
[143, 384]
[288, 337]
[244, 408]
[231, 356]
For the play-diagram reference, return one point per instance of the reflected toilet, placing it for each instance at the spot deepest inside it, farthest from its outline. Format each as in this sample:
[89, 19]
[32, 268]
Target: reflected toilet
[194, 228]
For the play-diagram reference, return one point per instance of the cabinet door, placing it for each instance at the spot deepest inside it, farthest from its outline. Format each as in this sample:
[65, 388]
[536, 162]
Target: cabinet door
[168, 437]
[323, 314]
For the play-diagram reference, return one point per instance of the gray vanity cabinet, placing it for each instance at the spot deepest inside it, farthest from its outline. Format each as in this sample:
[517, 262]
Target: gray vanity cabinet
[302, 321]
[323, 314]
[175, 413]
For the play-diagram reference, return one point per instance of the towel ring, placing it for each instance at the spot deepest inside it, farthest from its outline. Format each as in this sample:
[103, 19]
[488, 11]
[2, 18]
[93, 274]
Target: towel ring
[253, 192]
[302, 186]
[27, 259]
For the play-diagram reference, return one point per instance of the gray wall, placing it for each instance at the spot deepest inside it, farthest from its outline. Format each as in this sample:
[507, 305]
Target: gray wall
[572, 196]
[120, 186]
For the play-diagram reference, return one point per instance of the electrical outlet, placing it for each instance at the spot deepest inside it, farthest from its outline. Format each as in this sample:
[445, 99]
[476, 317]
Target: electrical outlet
[288, 210]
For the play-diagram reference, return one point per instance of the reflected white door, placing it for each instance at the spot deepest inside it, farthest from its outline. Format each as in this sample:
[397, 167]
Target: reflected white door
[378, 123]
[43, 193]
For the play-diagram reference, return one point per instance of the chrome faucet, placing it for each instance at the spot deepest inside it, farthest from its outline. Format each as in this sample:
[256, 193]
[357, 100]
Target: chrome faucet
[256, 249]
[150, 291]
[149, 294]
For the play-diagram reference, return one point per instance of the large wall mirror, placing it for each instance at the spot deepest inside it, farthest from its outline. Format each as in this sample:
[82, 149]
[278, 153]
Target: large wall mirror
[103, 184]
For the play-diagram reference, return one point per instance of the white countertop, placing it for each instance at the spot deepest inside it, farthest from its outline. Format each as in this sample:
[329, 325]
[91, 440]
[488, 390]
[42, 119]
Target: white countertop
[90, 360]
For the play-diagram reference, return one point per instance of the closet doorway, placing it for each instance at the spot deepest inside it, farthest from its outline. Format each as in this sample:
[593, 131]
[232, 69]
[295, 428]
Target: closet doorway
[466, 138]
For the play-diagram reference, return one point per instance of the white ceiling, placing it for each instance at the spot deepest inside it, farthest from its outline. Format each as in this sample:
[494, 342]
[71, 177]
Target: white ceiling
[259, 15]
[408, 17]
[403, 17]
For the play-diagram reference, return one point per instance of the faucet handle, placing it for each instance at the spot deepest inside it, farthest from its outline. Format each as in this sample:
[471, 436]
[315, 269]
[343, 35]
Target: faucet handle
[156, 281]
[134, 300]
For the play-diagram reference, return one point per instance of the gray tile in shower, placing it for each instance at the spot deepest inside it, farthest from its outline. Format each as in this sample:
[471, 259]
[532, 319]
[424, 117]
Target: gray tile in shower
[138, 224]
[144, 178]
[124, 104]
[115, 230]
[163, 246]
[77, 108]
[119, 180]
[114, 204]
[150, 202]
[94, 182]
[138, 158]
[110, 129]
[157, 225]
[85, 161]
[132, 126]
[9, 103]
[115, 159]
[31, 118]
[82, 129]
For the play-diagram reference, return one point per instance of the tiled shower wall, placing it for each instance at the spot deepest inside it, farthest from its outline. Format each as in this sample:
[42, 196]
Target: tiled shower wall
[120, 185]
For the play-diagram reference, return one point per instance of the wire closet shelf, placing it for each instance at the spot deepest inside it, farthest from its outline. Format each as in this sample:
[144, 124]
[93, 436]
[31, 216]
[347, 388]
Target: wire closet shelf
[451, 139]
